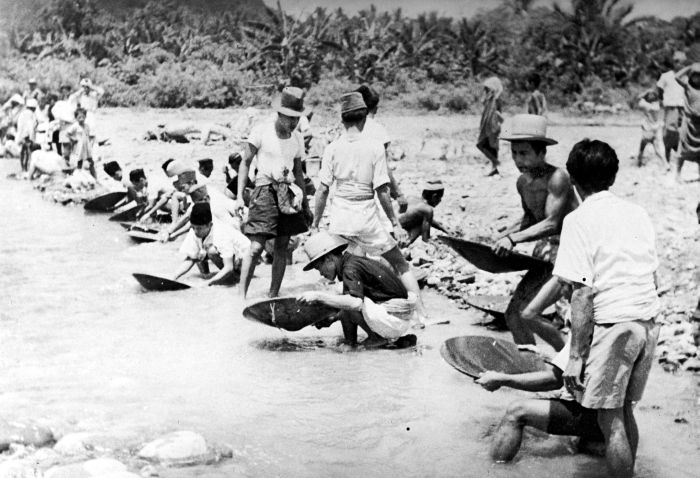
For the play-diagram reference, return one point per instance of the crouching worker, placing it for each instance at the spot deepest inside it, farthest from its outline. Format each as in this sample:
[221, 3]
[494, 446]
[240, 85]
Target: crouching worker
[556, 416]
[418, 219]
[374, 298]
[209, 241]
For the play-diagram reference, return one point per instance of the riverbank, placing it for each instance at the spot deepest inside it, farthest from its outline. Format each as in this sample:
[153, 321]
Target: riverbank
[85, 351]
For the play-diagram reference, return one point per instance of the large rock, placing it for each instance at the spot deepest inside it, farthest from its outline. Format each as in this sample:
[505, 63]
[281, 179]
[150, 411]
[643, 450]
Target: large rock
[17, 469]
[178, 448]
[25, 434]
[73, 444]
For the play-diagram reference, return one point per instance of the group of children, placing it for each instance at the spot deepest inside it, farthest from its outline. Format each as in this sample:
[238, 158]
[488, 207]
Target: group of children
[51, 133]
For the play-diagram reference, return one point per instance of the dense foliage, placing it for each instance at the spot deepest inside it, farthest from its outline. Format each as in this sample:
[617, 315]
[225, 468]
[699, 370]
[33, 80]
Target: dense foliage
[167, 55]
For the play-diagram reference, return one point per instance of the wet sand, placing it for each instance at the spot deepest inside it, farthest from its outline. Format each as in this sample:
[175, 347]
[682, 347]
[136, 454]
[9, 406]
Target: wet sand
[85, 350]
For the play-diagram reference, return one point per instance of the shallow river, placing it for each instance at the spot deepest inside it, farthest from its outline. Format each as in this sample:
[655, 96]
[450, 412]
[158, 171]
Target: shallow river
[84, 349]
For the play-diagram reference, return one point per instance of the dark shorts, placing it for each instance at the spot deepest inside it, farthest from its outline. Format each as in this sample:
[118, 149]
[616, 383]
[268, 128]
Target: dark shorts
[265, 218]
[567, 417]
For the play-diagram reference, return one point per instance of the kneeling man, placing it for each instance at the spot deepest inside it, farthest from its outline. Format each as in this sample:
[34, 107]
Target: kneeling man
[374, 297]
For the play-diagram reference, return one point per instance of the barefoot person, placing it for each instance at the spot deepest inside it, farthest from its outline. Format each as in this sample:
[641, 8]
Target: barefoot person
[357, 165]
[208, 240]
[491, 120]
[547, 196]
[279, 149]
[418, 219]
[556, 416]
[672, 100]
[651, 125]
[366, 284]
[608, 255]
[26, 132]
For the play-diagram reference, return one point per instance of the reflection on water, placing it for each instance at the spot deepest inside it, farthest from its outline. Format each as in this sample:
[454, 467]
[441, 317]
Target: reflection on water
[85, 349]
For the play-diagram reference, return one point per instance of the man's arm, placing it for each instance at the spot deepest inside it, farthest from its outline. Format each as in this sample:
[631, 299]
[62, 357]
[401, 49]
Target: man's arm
[319, 204]
[546, 380]
[183, 269]
[558, 191]
[343, 302]
[228, 267]
[249, 152]
[581, 335]
[299, 180]
[396, 191]
[385, 201]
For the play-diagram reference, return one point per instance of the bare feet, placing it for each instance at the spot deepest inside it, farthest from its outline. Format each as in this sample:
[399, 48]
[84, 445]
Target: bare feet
[494, 172]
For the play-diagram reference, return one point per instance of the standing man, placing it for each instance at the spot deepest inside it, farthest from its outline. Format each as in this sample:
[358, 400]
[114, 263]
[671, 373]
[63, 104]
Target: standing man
[608, 254]
[26, 132]
[672, 99]
[376, 130]
[279, 149]
[547, 196]
[356, 163]
[87, 98]
[32, 91]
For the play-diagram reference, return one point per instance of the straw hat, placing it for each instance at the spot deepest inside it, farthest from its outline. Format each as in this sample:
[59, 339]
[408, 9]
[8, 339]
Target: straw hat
[32, 81]
[527, 128]
[290, 102]
[434, 185]
[318, 245]
[177, 167]
[352, 102]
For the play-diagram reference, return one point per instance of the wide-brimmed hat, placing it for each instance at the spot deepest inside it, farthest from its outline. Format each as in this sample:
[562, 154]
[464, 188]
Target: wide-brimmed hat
[290, 102]
[178, 166]
[351, 102]
[527, 128]
[32, 81]
[318, 245]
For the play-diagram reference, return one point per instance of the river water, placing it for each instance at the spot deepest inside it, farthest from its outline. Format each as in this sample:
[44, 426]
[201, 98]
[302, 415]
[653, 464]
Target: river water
[84, 349]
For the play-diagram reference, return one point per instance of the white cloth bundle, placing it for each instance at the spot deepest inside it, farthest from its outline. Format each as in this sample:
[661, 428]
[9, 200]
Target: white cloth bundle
[390, 319]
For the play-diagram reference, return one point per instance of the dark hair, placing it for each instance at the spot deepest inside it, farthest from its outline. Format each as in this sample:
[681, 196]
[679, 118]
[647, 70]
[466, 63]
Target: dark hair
[370, 97]
[136, 175]
[538, 147]
[206, 162]
[80, 110]
[166, 164]
[593, 164]
[534, 80]
[694, 79]
[354, 116]
[234, 158]
[429, 193]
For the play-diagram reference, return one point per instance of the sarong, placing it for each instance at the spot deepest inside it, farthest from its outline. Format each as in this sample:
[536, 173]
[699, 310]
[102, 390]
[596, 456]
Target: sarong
[689, 145]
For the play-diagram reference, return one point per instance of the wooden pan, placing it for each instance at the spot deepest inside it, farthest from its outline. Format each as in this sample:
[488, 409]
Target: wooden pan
[159, 284]
[287, 313]
[104, 203]
[475, 354]
[485, 259]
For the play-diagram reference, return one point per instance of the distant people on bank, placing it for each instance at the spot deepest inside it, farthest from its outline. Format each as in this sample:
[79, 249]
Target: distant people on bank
[185, 132]
[491, 119]
[608, 255]
[81, 142]
[672, 99]
[652, 126]
[374, 298]
[547, 196]
[536, 102]
[27, 123]
[689, 139]
[279, 208]
[113, 180]
[419, 218]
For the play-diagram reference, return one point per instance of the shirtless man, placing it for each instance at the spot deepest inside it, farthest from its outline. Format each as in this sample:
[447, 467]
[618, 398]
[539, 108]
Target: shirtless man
[547, 196]
[418, 219]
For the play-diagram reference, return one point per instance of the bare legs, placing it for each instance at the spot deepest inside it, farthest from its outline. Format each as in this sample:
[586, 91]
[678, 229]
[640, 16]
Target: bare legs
[350, 320]
[532, 314]
[279, 263]
[619, 447]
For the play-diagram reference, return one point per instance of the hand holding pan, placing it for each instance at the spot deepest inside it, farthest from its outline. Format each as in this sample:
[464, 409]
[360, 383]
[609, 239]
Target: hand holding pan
[473, 355]
[483, 257]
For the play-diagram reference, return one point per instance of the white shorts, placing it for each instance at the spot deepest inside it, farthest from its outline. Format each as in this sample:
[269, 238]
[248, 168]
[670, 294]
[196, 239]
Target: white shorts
[358, 222]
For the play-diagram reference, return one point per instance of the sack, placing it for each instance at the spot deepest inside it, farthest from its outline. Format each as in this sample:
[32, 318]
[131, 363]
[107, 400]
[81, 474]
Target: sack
[288, 197]
[389, 319]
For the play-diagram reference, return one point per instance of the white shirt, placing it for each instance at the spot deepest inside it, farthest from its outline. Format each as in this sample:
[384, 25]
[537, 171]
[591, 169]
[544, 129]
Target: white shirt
[356, 162]
[159, 183]
[222, 239]
[609, 244]
[674, 94]
[275, 155]
[375, 130]
[26, 125]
